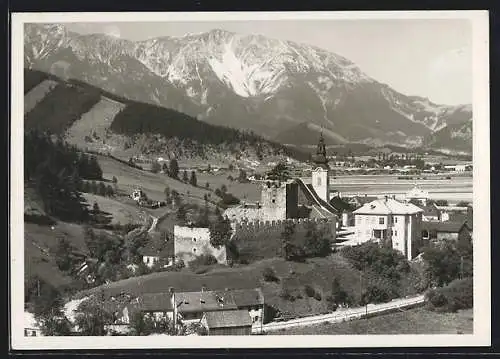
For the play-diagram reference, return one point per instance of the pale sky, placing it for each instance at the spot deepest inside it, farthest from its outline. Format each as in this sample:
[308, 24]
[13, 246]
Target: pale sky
[429, 58]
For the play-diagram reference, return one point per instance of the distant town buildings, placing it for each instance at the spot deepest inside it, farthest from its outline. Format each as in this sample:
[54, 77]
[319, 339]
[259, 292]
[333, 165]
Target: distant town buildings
[390, 221]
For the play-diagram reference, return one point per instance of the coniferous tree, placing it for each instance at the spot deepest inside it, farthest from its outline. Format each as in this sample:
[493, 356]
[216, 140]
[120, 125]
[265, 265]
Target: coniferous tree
[193, 181]
[173, 168]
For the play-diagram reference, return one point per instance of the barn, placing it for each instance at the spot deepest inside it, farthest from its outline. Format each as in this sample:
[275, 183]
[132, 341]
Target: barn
[228, 322]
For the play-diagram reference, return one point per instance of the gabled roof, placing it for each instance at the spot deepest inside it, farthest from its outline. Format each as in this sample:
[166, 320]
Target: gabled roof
[248, 297]
[388, 206]
[447, 227]
[219, 300]
[150, 248]
[430, 210]
[189, 302]
[228, 319]
[155, 302]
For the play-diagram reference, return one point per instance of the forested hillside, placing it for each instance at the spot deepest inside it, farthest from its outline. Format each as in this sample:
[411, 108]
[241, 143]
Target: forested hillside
[55, 170]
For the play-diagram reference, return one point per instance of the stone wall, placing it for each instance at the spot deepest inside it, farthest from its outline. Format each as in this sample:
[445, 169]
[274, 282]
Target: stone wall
[262, 239]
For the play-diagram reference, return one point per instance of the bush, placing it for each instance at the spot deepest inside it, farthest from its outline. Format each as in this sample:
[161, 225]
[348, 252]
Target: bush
[286, 294]
[269, 275]
[310, 292]
[203, 260]
[455, 296]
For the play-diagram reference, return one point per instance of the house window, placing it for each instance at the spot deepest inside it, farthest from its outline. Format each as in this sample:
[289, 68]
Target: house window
[194, 250]
[319, 181]
[33, 333]
[395, 219]
[25, 332]
[381, 220]
[194, 239]
[395, 232]
[274, 201]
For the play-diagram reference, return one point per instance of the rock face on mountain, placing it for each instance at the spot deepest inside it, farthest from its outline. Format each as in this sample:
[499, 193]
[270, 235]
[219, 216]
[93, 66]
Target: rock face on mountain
[269, 86]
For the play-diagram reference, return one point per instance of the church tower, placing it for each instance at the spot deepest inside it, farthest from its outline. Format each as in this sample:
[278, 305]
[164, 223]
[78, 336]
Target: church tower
[320, 177]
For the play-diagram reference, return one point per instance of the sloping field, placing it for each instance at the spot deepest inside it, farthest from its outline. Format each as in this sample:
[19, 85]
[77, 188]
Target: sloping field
[122, 213]
[413, 321]
[153, 184]
[96, 121]
[37, 94]
[40, 241]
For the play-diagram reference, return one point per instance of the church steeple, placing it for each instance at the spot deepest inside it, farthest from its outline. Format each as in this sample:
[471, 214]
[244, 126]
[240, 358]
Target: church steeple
[320, 157]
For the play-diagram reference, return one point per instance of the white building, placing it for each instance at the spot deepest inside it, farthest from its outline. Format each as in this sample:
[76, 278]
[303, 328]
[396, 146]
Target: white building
[418, 194]
[390, 221]
[31, 327]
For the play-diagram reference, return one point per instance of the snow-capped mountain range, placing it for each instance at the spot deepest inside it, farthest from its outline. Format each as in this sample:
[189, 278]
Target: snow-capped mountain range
[248, 82]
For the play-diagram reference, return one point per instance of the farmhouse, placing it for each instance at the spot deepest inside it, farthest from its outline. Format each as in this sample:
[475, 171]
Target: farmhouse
[390, 221]
[439, 231]
[158, 250]
[228, 322]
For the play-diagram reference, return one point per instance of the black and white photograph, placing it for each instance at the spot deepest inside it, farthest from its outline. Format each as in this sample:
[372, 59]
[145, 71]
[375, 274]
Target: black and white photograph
[287, 179]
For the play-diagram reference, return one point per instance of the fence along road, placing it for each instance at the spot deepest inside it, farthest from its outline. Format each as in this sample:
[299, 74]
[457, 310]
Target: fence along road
[344, 314]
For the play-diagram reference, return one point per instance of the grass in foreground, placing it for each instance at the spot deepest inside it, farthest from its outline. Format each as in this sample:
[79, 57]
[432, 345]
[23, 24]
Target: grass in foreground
[413, 321]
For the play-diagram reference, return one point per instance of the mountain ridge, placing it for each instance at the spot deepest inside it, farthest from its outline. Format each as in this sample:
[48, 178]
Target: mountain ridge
[249, 82]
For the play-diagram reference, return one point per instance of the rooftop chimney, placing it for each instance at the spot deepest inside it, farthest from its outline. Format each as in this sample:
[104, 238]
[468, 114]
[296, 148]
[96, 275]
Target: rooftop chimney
[386, 197]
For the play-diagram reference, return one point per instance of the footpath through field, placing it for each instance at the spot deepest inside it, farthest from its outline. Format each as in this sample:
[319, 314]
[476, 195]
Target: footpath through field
[344, 314]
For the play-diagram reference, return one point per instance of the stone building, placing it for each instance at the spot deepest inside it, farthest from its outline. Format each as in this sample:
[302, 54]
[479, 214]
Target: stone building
[191, 242]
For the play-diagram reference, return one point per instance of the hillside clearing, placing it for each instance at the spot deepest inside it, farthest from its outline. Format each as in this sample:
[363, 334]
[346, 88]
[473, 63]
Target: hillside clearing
[121, 213]
[413, 321]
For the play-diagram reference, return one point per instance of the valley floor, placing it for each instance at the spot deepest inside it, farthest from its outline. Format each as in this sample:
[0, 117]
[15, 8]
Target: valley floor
[412, 321]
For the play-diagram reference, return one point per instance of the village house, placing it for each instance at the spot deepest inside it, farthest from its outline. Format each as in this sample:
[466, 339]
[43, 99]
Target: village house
[31, 327]
[192, 307]
[430, 212]
[390, 221]
[228, 322]
[448, 212]
[159, 249]
[437, 231]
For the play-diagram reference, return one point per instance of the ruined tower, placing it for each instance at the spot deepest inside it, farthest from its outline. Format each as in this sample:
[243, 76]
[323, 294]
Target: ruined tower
[320, 177]
[279, 200]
